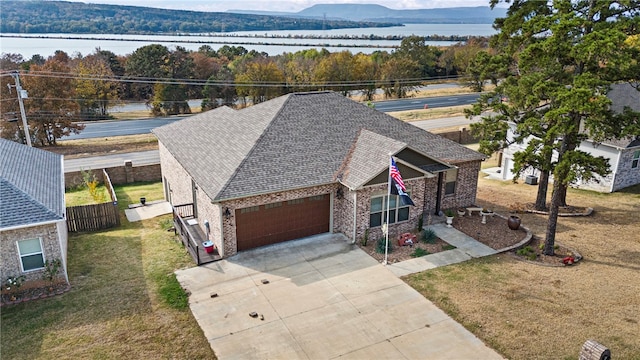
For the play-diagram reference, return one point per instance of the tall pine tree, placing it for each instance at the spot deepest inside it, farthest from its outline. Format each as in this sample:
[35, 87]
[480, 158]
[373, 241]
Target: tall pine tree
[560, 58]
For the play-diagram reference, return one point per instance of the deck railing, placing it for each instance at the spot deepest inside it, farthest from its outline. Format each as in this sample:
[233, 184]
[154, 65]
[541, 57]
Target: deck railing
[181, 228]
[184, 210]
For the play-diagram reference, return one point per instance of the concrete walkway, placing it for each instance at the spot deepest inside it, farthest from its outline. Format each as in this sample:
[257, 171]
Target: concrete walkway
[466, 248]
[321, 298]
[148, 211]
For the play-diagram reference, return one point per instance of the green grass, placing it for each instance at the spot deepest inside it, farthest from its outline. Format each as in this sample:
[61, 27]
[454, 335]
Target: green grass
[81, 196]
[125, 301]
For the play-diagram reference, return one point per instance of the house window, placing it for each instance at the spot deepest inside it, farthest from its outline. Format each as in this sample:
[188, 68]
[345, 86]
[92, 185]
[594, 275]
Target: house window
[295, 201]
[249, 209]
[635, 159]
[31, 256]
[273, 205]
[378, 213]
[451, 181]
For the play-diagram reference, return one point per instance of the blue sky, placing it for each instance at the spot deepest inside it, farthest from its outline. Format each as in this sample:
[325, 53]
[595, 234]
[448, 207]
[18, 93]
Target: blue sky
[284, 5]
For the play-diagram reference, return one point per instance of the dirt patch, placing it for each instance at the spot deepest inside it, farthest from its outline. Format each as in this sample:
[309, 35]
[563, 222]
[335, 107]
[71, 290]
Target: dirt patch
[72, 149]
[533, 252]
[402, 253]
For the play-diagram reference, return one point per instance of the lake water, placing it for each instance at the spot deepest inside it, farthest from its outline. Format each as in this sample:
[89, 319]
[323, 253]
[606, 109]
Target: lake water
[126, 44]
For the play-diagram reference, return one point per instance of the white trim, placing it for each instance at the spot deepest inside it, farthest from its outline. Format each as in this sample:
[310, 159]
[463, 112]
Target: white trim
[20, 255]
[48, 222]
[63, 249]
[355, 216]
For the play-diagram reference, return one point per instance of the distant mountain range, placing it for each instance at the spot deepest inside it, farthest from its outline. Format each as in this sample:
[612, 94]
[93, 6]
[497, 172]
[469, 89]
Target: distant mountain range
[379, 13]
[37, 16]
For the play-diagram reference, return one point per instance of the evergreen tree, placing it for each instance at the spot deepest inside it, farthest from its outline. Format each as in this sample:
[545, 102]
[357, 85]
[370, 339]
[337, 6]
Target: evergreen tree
[560, 59]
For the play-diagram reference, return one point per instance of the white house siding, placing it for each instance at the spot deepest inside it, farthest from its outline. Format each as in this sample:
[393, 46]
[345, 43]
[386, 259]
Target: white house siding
[10, 264]
[621, 174]
[601, 183]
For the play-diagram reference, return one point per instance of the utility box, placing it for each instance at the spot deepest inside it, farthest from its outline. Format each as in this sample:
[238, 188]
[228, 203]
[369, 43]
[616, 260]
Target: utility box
[531, 180]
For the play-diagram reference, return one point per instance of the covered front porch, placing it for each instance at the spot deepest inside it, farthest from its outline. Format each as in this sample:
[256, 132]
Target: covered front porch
[192, 237]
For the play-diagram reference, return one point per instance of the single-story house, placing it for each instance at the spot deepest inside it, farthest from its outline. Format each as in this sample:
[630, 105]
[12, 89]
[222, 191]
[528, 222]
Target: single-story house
[304, 164]
[623, 154]
[33, 227]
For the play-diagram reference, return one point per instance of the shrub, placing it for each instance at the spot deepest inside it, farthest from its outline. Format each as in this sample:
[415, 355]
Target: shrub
[51, 268]
[527, 252]
[449, 213]
[365, 239]
[420, 223]
[429, 236]
[380, 246]
[418, 252]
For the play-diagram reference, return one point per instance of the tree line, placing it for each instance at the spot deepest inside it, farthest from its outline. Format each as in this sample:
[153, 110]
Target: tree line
[64, 89]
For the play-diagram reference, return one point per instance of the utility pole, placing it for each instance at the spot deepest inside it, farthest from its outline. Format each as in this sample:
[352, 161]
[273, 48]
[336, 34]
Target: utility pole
[22, 94]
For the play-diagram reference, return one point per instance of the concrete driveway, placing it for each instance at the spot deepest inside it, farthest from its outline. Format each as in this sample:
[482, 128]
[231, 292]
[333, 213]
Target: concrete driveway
[319, 298]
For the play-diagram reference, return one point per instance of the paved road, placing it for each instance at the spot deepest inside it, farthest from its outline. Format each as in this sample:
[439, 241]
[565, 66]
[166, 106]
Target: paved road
[144, 126]
[152, 156]
[119, 128]
[100, 162]
[431, 102]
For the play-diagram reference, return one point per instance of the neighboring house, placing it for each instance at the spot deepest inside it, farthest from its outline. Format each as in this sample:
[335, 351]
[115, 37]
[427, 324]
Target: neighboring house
[33, 226]
[308, 163]
[623, 154]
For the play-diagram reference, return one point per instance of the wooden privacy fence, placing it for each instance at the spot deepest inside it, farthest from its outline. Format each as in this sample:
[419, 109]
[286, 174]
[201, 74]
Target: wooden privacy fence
[96, 216]
[93, 217]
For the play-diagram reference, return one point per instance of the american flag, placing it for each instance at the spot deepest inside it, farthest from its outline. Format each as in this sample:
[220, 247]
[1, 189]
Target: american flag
[397, 186]
[395, 175]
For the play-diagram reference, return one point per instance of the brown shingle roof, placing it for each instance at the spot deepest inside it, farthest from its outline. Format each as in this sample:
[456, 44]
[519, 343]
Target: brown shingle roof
[294, 141]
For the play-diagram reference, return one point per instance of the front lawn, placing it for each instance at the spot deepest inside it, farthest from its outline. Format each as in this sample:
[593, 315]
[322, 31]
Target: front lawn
[125, 302]
[528, 311]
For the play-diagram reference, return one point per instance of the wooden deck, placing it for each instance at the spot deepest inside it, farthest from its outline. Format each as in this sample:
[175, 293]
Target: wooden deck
[192, 236]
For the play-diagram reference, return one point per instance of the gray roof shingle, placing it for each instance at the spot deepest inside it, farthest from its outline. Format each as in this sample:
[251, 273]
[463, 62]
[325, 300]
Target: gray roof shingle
[31, 185]
[368, 158]
[621, 96]
[294, 141]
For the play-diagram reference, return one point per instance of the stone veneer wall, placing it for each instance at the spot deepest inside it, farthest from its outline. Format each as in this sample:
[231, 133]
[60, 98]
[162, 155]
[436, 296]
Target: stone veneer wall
[343, 218]
[626, 175]
[466, 187]
[229, 224]
[416, 188]
[10, 264]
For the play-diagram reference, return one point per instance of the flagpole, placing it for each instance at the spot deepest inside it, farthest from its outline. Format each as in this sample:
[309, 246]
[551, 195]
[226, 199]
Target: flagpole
[386, 244]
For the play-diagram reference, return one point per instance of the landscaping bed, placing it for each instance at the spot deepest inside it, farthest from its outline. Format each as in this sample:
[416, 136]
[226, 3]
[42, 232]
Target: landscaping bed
[402, 253]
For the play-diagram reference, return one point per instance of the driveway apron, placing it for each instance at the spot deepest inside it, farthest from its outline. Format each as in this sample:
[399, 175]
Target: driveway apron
[319, 298]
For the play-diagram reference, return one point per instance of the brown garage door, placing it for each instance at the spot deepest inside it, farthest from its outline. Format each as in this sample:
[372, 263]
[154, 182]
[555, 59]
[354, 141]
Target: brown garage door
[287, 220]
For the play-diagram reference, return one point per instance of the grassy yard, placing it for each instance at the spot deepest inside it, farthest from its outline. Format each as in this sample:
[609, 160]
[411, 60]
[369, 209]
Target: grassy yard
[528, 311]
[125, 302]
[81, 196]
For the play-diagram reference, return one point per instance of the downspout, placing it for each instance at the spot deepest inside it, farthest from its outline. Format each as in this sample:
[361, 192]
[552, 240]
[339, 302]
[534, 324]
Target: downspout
[439, 193]
[615, 172]
[61, 227]
[355, 216]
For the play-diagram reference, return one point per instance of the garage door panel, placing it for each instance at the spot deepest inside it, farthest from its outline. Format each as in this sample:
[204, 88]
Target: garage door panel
[288, 220]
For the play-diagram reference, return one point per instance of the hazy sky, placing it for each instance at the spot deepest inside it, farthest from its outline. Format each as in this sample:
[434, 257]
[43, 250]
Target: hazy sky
[284, 5]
